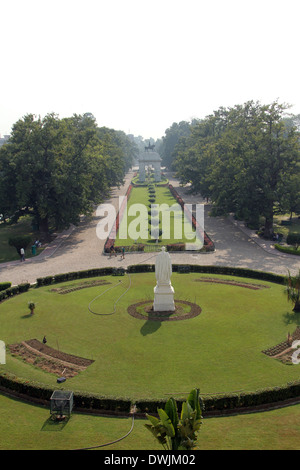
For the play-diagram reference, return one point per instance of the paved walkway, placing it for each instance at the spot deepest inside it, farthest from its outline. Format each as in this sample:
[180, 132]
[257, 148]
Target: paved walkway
[79, 248]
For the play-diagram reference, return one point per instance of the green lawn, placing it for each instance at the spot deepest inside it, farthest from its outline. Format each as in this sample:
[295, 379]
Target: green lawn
[27, 427]
[286, 229]
[217, 351]
[140, 195]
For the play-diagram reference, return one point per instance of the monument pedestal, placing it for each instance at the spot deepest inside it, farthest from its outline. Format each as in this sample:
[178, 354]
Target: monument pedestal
[163, 298]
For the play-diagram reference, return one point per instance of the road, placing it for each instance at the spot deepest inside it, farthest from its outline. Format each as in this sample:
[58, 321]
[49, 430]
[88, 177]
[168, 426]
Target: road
[79, 248]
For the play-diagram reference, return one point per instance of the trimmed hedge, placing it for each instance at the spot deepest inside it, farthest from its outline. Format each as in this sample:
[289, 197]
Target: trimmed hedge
[141, 268]
[232, 401]
[287, 249]
[11, 291]
[176, 247]
[4, 285]
[210, 404]
[81, 399]
[71, 276]
[223, 270]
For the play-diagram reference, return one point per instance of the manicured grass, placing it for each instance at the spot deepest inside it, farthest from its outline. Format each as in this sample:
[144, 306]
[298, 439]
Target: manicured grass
[286, 229]
[218, 351]
[23, 227]
[27, 427]
[140, 196]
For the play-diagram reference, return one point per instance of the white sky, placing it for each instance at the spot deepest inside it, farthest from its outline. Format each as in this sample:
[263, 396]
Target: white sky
[141, 65]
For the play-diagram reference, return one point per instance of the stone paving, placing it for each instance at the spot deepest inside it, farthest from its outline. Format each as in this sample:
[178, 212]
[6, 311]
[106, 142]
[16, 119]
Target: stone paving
[79, 248]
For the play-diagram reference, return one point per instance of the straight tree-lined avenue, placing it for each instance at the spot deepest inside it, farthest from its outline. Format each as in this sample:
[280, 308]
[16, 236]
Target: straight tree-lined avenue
[79, 248]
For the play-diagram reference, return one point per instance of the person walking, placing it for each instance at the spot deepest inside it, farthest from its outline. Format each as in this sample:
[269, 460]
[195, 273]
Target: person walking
[112, 251]
[123, 252]
[22, 253]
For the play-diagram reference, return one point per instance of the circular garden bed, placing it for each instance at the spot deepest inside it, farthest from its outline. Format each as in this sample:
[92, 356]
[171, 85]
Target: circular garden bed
[142, 356]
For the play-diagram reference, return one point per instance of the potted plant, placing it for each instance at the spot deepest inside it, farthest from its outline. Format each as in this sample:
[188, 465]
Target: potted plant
[31, 306]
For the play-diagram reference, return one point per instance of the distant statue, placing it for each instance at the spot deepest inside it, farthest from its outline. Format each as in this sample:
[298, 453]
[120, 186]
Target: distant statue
[163, 267]
[150, 147]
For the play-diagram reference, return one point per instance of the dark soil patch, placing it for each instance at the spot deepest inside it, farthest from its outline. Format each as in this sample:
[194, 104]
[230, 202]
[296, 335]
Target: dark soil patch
[283, 351]
[149, 314]
[233, 283]
[68, 289]
[51, 360]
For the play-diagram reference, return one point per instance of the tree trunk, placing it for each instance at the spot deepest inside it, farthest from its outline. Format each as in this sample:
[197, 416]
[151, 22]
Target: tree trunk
[297, 306]
[44, 229]
[268, 231]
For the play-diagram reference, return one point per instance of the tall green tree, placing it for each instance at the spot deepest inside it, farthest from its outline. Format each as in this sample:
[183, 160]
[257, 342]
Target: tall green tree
[241, 158]
[293, 290]
[57, 169]
[171, 139]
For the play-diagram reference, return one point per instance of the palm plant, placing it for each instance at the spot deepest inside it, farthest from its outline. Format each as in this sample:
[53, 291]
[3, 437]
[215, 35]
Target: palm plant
[176, 433]
[293, 290]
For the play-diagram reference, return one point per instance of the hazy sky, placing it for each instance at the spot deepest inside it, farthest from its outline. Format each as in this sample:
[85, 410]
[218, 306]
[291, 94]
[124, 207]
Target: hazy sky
[140, 65]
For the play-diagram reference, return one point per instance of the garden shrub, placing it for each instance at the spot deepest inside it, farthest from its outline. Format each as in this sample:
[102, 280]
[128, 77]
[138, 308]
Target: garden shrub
[141, 268]
[24, 287]
[287, 249]
[44, 281]
[11, 291]
[293, 238]
[4, 285]
[20, 241]
[176, 247]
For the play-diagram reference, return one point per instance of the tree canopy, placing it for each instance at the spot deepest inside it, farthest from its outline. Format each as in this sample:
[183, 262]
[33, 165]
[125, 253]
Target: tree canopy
[171, 139]
[246, 159]
[56, 169]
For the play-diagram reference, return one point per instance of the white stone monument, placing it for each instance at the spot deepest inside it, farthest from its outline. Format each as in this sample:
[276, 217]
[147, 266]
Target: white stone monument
[149, 158]
[163, 291]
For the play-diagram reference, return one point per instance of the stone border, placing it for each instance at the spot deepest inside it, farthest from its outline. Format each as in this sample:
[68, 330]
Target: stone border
[163, 316]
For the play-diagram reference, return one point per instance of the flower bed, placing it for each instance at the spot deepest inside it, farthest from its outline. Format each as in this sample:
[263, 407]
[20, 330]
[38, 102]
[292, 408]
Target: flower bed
[208, 245]
[110, 241]
[207, 242]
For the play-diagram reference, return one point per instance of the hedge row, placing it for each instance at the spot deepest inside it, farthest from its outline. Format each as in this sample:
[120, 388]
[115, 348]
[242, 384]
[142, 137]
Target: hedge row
[232, 401]
[223, 270]
[71, 276]
[210, 404]
[11, 291]
[253, 399]
[287, 249]
[110, 241]
[81, 399]
[4, 285]
[208, 244]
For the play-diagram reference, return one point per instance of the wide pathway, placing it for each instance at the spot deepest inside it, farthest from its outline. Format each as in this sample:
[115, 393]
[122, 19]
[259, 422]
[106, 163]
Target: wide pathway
[79, 248]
